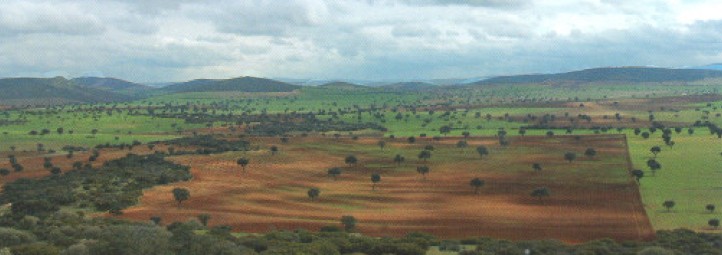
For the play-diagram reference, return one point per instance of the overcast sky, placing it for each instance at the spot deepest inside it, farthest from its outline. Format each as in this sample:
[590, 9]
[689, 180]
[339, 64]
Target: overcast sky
[174, 40]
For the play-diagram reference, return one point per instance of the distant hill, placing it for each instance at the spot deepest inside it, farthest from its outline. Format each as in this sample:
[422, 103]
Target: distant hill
[716, 66]
[409, 86]
[609, 74]
[242, 84]
[112, 84]
[51, 91]
[343, 86]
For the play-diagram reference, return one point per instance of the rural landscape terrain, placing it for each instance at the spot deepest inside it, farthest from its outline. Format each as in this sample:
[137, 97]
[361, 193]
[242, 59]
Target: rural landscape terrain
[618, 160]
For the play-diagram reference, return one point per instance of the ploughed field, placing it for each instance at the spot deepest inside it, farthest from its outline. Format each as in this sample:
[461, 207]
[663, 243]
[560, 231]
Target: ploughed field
[591, 197]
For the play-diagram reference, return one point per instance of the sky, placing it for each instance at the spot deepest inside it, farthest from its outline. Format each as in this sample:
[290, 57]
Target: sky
[179, 40]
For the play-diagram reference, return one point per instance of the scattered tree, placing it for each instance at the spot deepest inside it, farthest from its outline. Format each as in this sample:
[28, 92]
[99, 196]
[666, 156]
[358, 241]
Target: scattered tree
[424, 155]
[476, 183]
[655, 150]
[536, 166]
[381, 144]
[540, 193]
[710, 208]
[638, 174]
[351, 160]
[180, 195]
[570, 156]
[375, 178]
[399, 159]
[654, 166]
[243, 162]
[349, 223]
[313, 193]
[423, 170]
[590, 152]
[713, 223]
[334, 172]
[669, 204]
[482, 150]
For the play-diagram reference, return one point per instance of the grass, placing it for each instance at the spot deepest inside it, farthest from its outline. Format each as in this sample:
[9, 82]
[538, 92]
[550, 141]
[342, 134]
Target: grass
[690, 176]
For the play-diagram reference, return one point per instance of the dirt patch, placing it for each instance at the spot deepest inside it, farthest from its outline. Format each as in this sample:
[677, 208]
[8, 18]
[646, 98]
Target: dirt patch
[591, 198]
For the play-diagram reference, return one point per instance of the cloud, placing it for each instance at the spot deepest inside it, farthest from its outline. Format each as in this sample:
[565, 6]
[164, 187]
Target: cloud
[358, 39]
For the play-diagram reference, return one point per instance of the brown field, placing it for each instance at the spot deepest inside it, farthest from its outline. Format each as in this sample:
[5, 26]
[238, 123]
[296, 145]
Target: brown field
[591, 198]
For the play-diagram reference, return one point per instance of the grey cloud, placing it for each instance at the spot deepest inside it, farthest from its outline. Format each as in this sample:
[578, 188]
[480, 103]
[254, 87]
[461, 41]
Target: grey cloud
[28, 17]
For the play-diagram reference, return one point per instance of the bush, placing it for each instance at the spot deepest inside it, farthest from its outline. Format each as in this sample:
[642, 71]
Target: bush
[12, 237]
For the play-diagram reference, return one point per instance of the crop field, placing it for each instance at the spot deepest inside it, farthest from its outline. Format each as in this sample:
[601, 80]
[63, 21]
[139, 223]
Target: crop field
[591, 197]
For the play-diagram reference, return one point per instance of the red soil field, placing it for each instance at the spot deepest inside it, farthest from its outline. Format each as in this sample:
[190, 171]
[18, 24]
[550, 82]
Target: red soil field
[591, 198]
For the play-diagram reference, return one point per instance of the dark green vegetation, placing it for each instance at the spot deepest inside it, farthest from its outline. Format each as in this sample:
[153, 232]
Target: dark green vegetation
[112, 187]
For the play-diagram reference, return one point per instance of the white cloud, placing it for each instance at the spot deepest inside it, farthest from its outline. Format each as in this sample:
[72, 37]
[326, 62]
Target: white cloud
[180, 40]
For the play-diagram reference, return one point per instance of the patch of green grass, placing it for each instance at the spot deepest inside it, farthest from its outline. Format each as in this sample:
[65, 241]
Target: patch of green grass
[690, 175]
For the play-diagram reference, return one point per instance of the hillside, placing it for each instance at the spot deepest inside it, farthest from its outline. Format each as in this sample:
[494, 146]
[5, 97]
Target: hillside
[241, 84]
[50, 91]
[112, 84]
[609, 74]
[409, 86]
[343, 86]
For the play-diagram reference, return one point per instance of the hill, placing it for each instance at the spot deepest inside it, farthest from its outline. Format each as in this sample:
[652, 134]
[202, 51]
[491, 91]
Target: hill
[241, 84]
[112, 84]
[609, 74]
[716, 66]
[343, 86]
[52, 91]
[409, 86]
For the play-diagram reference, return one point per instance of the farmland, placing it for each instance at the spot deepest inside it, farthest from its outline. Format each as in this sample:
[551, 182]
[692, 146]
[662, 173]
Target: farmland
[313, 130]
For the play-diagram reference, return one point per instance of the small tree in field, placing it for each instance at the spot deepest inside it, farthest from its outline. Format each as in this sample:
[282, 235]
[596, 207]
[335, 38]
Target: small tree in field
[399, 159]
[570, 156]
[423, 170]
[180, 195]
[655, 150]
[537, 167]
[540, 193]
[654, 166]
[424, 155]
[590, 153]
[476, 183]
[710, 208]
[713, 223]
[349, 223]
[313, 193]
[482, 150]
[334, 172]
[351, 160]
[274, 150]
[375, 178]
[243, 162]
[669, 204]
[381, 144]
[638, 174]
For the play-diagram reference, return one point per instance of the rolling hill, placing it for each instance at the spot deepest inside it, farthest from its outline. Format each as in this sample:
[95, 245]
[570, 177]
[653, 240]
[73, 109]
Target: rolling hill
[409, 86]
[112, 84]
[609, 74]
[343, 86]
[241, 84]
[52, 91]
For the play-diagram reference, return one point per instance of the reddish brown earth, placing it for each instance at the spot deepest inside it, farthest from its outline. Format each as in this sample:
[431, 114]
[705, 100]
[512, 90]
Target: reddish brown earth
[591, 198]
